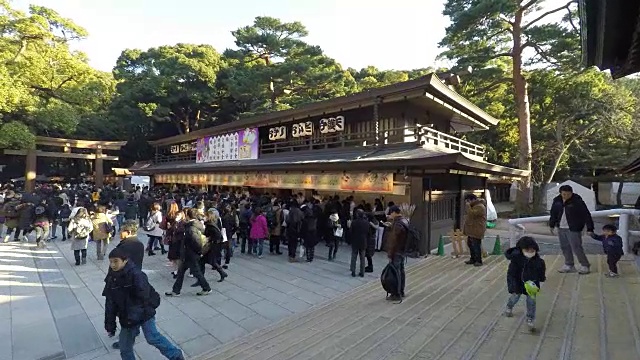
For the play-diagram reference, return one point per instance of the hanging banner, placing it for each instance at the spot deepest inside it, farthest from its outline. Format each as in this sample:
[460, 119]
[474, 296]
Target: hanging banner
[362, 182]
[239, 145]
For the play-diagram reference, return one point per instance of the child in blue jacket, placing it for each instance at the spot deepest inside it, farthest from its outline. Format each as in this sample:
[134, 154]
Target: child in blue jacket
[612, 245]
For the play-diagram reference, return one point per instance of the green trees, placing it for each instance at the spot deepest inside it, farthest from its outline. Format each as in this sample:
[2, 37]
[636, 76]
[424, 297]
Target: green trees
[169, 84]
[522, 33]
[45, 88]
[274, 69]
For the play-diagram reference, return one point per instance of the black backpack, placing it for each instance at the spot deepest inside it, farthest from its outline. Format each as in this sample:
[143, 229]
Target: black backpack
[154, 297]
[390, 279]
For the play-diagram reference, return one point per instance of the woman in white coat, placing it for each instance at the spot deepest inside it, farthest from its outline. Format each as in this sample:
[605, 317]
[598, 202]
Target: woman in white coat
[153, 229]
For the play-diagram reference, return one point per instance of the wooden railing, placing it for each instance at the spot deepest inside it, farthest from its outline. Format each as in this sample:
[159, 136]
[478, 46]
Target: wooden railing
[439, 139]
[422, 135]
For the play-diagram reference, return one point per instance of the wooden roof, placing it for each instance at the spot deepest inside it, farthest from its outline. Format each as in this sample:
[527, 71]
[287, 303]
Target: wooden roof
[610, 32]
[394, 158]
[428, 85]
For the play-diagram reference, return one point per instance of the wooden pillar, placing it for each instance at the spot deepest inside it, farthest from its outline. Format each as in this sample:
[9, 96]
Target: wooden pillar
[99, 169]
[420, 214]
[31, 171]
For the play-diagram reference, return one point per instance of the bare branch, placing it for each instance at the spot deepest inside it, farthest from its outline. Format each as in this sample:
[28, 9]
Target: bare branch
[505, 19]
[547, 14]
[575, 28]
[543, 55]
[528, 5]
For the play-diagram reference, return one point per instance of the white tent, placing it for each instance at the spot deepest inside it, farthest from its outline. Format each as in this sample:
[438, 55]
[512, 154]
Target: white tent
[588, 195]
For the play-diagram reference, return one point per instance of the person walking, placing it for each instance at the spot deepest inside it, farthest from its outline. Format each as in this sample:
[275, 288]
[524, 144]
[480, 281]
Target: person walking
[130, 298]
[335, 235]
[570, 216]
[190, 254]
[41, 225]
[153, 229]
[359, 237]
[102, 229]
[475, 225]
[80, 227]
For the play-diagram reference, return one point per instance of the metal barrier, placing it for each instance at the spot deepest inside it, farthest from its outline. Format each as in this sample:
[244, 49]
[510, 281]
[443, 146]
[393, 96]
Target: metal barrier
[517, 225]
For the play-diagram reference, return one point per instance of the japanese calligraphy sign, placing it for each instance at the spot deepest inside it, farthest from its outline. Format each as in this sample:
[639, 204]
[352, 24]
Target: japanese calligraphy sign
[278, 133]
[239, 145]
[332, 124]
[302, 129]
[183, 148]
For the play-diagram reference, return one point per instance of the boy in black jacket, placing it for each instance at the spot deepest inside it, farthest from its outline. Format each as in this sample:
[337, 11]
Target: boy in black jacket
[526, 265]
[612, 245]
[130, 298]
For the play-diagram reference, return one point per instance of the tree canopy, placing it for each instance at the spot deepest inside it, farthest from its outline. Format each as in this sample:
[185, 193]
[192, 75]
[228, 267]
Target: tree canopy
[557, 119]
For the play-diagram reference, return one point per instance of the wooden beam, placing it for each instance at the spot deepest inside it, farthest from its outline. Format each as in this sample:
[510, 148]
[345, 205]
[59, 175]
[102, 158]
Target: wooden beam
[80, 144]
[61, 155]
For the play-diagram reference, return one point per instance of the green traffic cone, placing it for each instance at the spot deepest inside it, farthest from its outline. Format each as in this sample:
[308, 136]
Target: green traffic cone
[441, 246]
[497, 247]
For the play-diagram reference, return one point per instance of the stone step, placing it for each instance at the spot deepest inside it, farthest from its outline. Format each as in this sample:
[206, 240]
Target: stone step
[358, 305]
[314, 317]
[454, 311]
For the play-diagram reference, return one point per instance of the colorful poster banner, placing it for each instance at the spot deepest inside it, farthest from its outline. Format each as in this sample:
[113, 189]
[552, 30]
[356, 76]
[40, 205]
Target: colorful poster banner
[239, 145]
[363, 182]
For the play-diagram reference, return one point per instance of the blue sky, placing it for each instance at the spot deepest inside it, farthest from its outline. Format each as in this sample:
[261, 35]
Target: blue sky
[398, 34]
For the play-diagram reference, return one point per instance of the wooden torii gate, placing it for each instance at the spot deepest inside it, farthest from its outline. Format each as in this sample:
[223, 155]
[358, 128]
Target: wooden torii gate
[67, 145]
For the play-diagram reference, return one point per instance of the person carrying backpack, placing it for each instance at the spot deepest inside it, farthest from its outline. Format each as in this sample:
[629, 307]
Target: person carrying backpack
[397, 243]
[130, 298]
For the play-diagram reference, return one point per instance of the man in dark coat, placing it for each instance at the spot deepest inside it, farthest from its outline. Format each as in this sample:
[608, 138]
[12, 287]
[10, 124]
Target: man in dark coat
[130, 244]
[570, 215]
[359, 235]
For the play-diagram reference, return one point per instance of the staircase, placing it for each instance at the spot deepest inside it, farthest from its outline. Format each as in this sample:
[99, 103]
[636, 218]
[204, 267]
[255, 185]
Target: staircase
[454, 311]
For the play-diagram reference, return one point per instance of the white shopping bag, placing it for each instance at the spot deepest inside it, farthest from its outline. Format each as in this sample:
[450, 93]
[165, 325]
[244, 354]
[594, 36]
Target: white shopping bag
[224, 235]
[301, 251]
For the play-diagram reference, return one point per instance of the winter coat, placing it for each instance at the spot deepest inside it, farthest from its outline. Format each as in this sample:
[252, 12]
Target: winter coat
[475, 220]
[397, 240]
[575, 210]
[214, 239]
[174, 236]
[521, 269]
[193, 240]
[371, 237]
[611, 245]
[359, 233]
[259, 228]
[26, 215]
[128, 296]
[65, 214]
[80, 243]
[156, 218]
[130, 210]
[11, 222]
[277, 230]
[100, 223]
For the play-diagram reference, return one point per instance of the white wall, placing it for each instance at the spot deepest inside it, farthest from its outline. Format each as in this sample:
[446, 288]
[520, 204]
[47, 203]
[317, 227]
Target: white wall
[607, 193]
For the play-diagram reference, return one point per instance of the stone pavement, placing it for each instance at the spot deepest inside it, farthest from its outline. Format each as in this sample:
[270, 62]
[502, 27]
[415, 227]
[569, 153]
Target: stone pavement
[453, 311]
[51, 309]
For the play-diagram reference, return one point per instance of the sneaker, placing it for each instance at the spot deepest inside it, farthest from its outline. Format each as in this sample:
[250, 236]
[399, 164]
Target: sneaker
[531, 325]
[508, 312]
[190, 275]
[583, 270]
[116, 345]
[172, 294]
[469, 262]
[259, 256]
[567, 269]
[611, 274]
[394, 298]
[204, 292]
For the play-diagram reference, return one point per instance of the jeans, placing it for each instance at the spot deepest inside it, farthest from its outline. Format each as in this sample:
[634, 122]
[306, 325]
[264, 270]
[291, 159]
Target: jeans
[333, 243]
[152, 335]
[64, 226]
[153, 240]
[612, 261]
[257, 246]
[475, 249]
[120, 219]
[570, 243]
[192, 264]
[54, 228]
[531, 304]
[228, 250]
[398, 262]
[355, 254]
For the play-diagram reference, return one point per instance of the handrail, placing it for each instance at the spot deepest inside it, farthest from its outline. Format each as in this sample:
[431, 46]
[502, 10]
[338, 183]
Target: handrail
[623, 231]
